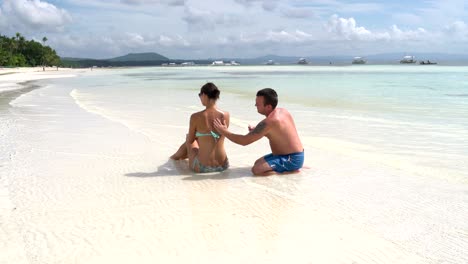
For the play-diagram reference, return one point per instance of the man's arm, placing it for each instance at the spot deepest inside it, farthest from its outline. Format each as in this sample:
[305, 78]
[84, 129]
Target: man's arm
[257, 133]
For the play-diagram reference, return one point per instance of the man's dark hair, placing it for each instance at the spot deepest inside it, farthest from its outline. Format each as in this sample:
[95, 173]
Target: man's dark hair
[270, 97]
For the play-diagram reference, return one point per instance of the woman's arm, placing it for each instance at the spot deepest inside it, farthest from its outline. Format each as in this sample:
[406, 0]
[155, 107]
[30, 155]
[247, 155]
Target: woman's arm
[192, 129]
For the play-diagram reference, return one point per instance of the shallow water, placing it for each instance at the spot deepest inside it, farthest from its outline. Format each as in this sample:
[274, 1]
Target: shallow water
[386, 152]
[410, 112]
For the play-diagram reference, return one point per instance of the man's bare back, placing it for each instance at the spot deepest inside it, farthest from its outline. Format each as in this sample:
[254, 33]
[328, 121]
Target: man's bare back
[282, 135]
[278, 126]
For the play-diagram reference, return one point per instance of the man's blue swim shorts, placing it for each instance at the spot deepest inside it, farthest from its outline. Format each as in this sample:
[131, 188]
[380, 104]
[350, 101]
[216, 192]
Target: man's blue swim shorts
[283, 163]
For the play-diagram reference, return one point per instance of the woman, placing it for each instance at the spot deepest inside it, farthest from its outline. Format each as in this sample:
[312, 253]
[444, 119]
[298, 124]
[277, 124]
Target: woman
[204, 146]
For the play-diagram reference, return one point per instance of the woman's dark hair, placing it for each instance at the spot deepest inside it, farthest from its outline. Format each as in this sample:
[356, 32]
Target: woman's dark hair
[210, 90]
[270, 97]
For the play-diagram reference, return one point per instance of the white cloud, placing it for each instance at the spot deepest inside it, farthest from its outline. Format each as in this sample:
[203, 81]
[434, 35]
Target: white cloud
[271, 36]
[107, 46]
[400, 35]
[3, 21]
[34, 14]
[458, 31]
[407, 18]
[358, 7]
[208, 21]
[164, 2]
[199, 18]
[134, 40]
[85, 46]
[176, 41]
[288, 37]
[234, 27]
[268, 5]
[298, 12]
[346, 29]
[438, 11]
[176, 2]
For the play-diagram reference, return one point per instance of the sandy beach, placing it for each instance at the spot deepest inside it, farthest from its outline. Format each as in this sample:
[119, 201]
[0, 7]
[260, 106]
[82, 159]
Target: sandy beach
[10, 78]
[82, 185]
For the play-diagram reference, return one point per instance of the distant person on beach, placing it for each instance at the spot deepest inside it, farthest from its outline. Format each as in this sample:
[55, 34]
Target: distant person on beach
[278, 126]
[204, 146]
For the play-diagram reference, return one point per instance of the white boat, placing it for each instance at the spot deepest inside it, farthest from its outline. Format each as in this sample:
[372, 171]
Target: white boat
[270, 62]
[408, 59]
[217, 63]
[222, 63]
[302, 61]
[359, 60]
[188, 63]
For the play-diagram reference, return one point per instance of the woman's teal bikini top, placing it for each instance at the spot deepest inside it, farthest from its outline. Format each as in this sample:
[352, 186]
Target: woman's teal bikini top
[213, 134]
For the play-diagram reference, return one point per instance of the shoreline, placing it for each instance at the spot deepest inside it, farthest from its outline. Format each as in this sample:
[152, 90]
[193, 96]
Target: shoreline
[11, 78]
[9, 95]
[17, 81]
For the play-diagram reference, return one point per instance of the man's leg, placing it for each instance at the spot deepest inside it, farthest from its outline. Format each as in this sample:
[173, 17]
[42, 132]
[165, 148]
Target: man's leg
[262, 168]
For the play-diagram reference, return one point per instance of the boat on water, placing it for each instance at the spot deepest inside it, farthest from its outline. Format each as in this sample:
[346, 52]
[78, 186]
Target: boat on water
[302, 61]
[358, 60]
[428, 62]
[222, 63]
[187, 63]
[217, 63]
[408, 60]
[270, 62]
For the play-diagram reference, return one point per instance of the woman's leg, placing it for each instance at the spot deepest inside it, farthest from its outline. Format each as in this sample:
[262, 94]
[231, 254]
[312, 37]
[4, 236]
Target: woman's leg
[181, 153]
[192, 153]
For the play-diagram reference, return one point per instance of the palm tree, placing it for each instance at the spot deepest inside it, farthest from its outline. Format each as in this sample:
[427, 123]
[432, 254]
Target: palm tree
[44, 40]
[20, 42]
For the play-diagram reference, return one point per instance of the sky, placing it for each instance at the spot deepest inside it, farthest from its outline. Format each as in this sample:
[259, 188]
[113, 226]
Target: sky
[202, 29]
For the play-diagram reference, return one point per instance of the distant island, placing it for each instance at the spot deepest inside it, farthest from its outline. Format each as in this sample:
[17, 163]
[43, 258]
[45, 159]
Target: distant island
[147, 56]
[155, 59]
[131, 59]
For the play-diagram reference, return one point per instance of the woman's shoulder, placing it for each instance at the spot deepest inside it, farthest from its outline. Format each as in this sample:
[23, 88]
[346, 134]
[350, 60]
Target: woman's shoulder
[225, 113]
[197, 115]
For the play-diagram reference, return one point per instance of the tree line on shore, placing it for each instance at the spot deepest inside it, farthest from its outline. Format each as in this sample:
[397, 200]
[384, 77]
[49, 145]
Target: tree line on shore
[19, 52]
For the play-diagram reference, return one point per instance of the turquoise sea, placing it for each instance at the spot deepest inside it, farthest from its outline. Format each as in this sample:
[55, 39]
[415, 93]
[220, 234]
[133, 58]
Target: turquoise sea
[413, 113]
[386, 149]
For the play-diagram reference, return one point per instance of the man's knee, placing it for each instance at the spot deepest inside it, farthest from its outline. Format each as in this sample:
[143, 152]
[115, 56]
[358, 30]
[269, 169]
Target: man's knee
[256, 162]
[256, 171]
[261, 168]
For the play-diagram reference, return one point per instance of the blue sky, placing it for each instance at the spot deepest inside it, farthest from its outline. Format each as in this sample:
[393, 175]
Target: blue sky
[192, 29]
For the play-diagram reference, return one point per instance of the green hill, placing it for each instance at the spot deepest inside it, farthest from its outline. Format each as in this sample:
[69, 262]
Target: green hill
[149, 56]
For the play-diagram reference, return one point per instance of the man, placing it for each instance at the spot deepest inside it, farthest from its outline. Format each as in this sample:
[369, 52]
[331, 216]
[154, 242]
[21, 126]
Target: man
[278, 126]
